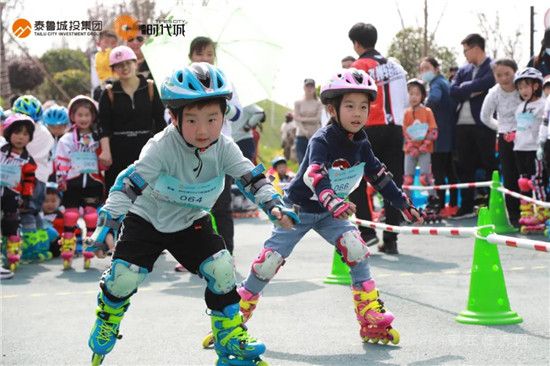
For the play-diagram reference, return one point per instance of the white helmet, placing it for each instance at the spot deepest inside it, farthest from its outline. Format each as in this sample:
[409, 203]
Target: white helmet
[528, 73]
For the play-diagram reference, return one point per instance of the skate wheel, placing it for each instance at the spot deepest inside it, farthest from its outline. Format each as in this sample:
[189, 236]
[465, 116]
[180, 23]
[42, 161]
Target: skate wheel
[208, 340]
[87, 263]
[97, 359]
[13, 266]
[394, 335]
[66, 264]
[373, 340]
[385, 341]
[262, 363]
[523, 230]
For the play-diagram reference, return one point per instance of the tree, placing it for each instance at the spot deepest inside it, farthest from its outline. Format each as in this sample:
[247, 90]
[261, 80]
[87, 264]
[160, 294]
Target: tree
[24, 75]
[73, 81]
[408, 47]
[65, 59]
[496, 42]
[5, 88]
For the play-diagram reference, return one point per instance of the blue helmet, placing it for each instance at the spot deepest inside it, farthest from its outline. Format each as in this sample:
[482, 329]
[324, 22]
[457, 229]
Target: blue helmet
[198, 81]
[55, 116]
[28, 105]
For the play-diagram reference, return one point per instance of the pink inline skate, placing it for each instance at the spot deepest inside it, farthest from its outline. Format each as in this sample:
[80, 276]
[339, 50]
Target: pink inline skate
[374, 319]
[13, 251]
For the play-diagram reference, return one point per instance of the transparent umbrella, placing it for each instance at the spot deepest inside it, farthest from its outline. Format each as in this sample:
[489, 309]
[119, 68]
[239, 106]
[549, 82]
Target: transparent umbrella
[245, 53]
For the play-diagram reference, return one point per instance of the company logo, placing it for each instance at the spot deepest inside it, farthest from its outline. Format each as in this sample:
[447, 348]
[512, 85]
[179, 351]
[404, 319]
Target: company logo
[126, 27]
[21, 28]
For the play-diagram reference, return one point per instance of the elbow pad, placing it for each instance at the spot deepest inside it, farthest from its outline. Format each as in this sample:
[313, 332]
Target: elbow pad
[380, 179]
[313, 175]
[251, 182]
[130, 182]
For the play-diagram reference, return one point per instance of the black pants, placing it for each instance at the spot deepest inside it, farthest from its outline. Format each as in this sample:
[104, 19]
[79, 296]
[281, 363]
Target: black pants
[443, 167]
[141, 244]
[387, 145]
[475, 146]
[223, 215]
[10, 215]
[510, 175]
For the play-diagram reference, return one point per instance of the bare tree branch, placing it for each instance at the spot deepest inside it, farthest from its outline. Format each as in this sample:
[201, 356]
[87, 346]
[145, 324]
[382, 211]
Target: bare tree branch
[400, 15]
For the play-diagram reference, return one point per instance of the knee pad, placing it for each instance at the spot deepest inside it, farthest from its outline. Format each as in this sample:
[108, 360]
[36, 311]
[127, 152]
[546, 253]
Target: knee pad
[426, 179]
[52, 233]
[352, 247]
[219, 272]
[123, 279]
[408, 180]
[525, 184]
[267, 264]
[70, 218]
[90, 218]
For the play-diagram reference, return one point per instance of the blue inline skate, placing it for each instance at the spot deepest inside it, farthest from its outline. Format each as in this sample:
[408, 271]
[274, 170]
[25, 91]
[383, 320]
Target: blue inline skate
[231, 340]
[106, 328]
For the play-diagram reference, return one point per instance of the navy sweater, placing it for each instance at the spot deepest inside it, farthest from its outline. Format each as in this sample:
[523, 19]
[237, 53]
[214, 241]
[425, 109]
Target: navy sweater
[331, 147]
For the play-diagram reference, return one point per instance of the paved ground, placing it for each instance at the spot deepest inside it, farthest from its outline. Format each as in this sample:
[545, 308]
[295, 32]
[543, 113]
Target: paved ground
[47, 313]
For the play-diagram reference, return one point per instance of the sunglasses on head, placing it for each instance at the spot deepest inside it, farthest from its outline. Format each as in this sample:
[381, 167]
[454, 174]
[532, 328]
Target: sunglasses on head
[138, 38]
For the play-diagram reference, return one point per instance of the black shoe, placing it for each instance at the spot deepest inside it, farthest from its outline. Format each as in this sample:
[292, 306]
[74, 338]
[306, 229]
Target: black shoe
[464, 213]
[388, 247]
[370, 239]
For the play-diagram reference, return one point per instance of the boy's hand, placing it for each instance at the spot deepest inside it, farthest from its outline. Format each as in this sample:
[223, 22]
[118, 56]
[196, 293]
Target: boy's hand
[109, 245]
[285, 221]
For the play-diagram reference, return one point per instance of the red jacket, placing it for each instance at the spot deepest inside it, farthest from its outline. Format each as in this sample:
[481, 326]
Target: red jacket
[392, 99]
[28, 167]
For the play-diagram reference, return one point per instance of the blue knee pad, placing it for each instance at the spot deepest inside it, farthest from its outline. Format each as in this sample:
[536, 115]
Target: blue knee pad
[123, 279]
[219, 272]
[52, 233]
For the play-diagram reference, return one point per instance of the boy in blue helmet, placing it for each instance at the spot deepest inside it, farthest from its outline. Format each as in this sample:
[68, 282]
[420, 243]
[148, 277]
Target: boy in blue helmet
[165, 197]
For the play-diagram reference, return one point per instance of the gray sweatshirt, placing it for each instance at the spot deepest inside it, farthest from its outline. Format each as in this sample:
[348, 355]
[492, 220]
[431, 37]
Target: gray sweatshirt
[505, 104]
[167, 158]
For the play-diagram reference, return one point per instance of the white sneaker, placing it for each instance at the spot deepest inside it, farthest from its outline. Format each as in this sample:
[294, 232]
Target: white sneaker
[5, 274]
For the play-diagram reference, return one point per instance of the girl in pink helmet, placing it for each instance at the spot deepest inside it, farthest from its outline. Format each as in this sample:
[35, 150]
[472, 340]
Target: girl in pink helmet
[79, 174]
[17, 182]
[130, 112]
[337, 158]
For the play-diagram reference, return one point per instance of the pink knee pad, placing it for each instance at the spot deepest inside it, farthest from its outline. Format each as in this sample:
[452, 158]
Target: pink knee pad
[408, 180]
[70, 217]
[267, 264]
[352, 247]
[525, 184]
[426, 179]
[90, 218]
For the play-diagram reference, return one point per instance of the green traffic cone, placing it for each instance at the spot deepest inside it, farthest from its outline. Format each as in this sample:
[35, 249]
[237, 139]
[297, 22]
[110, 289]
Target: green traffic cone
[497, 208]
[340, 272]
[488, 302]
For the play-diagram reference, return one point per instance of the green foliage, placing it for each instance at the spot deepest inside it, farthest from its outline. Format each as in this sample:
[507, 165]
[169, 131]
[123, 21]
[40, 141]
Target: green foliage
[270, 141]
[407, 47]
[65, 59]
[24, 75]
[73, 81]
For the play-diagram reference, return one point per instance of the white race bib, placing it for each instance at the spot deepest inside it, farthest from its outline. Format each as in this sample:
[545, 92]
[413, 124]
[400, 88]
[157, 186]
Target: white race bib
[201, 195]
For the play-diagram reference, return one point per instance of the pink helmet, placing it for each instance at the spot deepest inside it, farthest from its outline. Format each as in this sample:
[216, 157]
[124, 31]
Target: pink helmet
[349, 81]
[120, 54]
[14, 120]
[79, 100]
